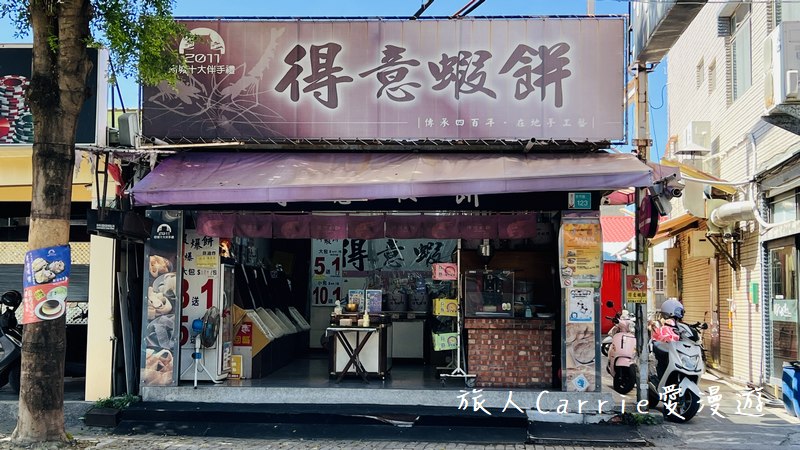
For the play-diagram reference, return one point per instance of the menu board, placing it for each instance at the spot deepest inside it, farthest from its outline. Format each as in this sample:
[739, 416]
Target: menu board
[580, 262]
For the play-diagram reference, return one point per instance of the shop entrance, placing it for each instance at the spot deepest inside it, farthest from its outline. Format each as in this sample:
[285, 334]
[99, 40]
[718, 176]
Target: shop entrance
[319, 285]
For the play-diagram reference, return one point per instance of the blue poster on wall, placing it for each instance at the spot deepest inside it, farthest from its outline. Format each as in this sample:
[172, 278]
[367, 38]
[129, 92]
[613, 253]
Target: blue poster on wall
[45, 282]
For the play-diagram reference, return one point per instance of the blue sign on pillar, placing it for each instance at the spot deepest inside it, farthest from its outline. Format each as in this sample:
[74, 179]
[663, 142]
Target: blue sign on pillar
[579, 200]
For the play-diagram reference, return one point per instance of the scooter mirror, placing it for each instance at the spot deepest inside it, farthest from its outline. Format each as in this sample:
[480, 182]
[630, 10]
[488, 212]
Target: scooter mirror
[704, 326]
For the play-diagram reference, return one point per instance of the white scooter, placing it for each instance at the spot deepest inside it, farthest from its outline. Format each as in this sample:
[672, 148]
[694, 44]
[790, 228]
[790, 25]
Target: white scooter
[622, 353]
[679, 364]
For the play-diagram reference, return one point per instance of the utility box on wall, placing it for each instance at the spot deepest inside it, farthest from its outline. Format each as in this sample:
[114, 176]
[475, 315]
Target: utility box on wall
[700, 245]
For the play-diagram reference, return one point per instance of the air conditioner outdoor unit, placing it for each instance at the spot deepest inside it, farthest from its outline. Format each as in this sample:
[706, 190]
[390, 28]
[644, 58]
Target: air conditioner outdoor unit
[782, 65]
[695, 140]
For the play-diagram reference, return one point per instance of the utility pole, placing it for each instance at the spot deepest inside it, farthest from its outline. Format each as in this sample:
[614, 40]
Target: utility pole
[642, 143]
[589, 7]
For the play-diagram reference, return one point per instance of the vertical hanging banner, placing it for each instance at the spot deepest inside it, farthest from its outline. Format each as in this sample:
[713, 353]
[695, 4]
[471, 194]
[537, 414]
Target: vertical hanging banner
[580, 260]
[200, 291]
[46, 278]
[326, 272]
[161, 312]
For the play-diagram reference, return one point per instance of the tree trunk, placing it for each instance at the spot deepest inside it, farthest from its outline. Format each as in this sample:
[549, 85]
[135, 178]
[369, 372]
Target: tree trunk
[57, 91]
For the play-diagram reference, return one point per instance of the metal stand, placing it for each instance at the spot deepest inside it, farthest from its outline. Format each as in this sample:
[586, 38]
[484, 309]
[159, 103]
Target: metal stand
[197, 356]
[459, 371]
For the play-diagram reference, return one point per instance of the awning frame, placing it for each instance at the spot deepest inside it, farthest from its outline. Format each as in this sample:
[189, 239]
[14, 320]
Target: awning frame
[194, 178]
[676, 225]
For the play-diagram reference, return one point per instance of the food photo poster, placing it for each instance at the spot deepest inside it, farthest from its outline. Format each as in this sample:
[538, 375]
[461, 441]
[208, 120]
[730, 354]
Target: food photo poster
[162, 273]
[45, 284]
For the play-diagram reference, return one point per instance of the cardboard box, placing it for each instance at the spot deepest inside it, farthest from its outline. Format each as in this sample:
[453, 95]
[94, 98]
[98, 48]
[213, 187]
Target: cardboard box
[238, 315]
[250, 334]
[445, 341]
[245, 355]
[445, 307]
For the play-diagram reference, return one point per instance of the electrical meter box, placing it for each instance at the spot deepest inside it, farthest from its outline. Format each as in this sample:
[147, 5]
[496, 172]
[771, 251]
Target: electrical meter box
[700, 245]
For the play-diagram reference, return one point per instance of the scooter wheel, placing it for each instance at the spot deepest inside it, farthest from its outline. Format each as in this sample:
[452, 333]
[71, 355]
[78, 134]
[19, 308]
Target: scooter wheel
[624, 379]
[686, 408]
[14, 376]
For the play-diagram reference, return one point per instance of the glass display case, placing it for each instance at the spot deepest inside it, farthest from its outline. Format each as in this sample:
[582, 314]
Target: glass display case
[489, 293]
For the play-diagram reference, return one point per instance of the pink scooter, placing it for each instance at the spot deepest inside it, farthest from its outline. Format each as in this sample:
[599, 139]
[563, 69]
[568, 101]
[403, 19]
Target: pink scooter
[622, 353]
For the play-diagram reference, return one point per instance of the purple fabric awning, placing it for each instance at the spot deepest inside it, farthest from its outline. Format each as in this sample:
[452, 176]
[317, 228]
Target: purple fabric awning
[231, 178]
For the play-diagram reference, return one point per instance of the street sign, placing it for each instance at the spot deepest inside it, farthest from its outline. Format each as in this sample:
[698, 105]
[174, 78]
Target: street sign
[579, 200]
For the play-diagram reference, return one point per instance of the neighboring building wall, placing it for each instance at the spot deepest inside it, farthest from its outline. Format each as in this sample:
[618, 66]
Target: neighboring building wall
[700, 89]
[747, 324]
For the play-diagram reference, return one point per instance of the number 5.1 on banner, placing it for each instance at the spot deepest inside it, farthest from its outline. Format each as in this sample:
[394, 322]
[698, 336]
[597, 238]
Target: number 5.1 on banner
[327, 266]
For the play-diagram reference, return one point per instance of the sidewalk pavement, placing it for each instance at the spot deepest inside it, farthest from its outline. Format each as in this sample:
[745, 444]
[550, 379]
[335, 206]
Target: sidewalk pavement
[727, 429]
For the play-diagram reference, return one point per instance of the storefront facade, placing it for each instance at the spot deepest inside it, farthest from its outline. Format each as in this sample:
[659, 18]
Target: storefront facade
[329, 172]
[780, 271]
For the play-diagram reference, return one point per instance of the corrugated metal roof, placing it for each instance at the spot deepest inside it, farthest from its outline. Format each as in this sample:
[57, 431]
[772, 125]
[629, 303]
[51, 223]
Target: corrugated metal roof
[617, 228]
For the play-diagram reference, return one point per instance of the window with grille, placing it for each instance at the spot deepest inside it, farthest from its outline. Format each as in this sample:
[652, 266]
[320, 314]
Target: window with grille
[784, 207]
[712, 76]
[786, 11]
[700, 74]
[741, 51]
[658, 285]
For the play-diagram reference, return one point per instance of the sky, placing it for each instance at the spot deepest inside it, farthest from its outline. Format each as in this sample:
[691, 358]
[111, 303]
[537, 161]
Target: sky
[403, 8]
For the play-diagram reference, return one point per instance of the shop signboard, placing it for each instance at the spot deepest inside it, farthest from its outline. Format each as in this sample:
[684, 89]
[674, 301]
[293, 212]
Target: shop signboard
[784, 310]
[636, 288]
[161, 314]
[522, 78]
[16, 120]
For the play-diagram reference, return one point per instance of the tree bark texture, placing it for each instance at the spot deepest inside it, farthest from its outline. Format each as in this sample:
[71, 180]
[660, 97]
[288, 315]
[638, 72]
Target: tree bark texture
[57, 91]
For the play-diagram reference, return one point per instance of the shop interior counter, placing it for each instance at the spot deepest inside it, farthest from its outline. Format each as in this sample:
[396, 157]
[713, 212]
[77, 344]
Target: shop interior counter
[510, 352]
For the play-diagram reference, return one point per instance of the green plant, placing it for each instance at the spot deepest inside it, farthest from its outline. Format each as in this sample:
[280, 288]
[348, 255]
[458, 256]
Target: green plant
[638, 419]
[118, 402]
